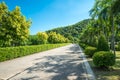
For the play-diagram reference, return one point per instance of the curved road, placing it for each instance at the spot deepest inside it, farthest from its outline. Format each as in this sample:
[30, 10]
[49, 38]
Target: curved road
[64, 63]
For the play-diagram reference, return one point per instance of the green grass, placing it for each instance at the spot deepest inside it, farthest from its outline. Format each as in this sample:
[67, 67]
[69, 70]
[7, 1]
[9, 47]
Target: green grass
[112, 74]
[15, 52]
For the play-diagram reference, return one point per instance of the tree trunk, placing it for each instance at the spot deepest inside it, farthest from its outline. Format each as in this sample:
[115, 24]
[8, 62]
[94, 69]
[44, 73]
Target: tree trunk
[113, 36]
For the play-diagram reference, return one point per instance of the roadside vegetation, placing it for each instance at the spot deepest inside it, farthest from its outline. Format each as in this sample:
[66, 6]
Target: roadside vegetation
[15, 38]
[101, 38]
[105, 74]
[14, 30]
[98, 36]
[72, 32]
[15, 52]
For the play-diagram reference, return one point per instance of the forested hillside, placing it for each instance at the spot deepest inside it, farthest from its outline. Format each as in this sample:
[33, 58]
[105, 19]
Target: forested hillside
[72, 32]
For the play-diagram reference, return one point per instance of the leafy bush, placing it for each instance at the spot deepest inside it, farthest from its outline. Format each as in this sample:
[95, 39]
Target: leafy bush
[102, 44]
[90, 51]
[83, 45]
[14, 52]
[103, 59]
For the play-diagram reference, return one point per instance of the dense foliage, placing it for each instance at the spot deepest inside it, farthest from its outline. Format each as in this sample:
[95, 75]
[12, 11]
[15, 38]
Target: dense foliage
[14, 28]
[89, 35]
[103, 29]
[72, 32]
[90, 51]
[106, 12]
[117, 46]
[105, 20]
[32, 40]
[42, 37]
[104, 59]
[14, 52]
[54, 37]
[102, 44]
[83, 45]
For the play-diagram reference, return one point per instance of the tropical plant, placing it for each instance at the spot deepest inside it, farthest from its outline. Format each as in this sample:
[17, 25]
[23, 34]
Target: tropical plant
[106, 12]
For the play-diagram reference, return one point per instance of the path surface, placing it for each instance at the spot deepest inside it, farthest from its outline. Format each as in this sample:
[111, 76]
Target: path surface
[64, 63]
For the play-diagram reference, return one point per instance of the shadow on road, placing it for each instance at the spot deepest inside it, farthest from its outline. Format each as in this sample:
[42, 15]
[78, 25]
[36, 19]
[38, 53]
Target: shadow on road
[67, 66]
[30, 78]
[63, 66]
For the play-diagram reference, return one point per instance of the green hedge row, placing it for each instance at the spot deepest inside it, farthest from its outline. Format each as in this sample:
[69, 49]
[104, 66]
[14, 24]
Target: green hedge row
[15, 52]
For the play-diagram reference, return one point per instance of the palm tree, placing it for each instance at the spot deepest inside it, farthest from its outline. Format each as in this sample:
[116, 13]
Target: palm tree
[103, 10]
[114, 11]
[99, 12]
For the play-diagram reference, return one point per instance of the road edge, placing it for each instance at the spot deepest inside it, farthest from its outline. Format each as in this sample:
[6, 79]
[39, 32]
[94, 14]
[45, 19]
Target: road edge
[88, 69]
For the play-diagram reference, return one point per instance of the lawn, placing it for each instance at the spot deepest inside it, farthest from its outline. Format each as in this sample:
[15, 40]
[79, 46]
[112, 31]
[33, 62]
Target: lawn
[113, 74]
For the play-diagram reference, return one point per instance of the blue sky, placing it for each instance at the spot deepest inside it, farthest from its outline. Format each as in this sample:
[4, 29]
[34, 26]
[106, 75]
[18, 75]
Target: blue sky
[48, 14]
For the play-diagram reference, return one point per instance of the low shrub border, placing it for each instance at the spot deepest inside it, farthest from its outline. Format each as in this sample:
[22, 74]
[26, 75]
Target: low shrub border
[90, 51]
[15, 52]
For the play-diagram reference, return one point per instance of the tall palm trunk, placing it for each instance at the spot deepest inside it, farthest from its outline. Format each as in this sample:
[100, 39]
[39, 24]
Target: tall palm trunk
[113, 35]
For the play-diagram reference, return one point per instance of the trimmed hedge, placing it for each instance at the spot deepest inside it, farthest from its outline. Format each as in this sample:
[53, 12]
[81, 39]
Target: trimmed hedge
[15, 52]
[104, 59]
[90, 51]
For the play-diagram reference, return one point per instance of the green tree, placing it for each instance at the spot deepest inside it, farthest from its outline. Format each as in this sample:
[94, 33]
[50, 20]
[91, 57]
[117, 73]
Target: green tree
[107, 11]
[89, 35]
[102, 44]
[14, 30]
[42, 37]
[71, 31]
[32, 40]
[4, 38]
[53, 37]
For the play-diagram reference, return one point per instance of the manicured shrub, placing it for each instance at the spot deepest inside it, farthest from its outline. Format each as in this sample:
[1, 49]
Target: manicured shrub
[102, 44]
[90, 51]
[103, 59]
[14, 52]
